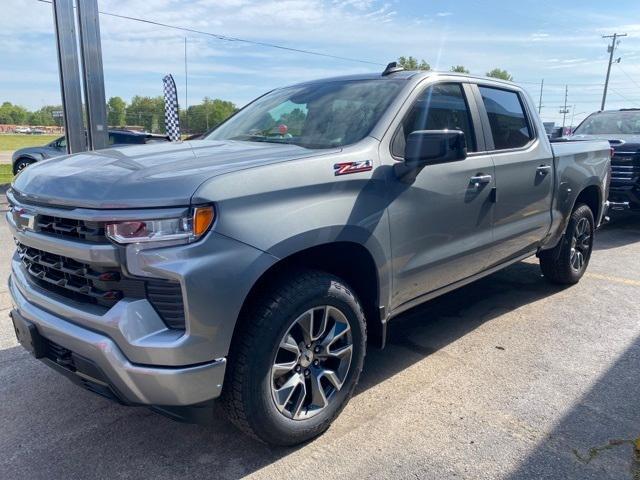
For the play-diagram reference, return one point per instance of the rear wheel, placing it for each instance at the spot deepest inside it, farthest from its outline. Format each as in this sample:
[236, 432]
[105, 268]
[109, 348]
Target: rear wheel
[566, 263]
[295, 362]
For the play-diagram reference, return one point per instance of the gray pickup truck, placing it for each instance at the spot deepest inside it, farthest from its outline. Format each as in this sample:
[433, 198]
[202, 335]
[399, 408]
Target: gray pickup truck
[257, 264]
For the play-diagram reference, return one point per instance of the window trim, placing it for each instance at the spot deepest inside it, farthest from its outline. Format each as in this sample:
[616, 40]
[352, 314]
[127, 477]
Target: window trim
[470, 101]
[484, 116]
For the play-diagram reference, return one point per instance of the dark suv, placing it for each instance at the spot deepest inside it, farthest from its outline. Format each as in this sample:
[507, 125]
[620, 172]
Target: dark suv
[117, 138]
[622, 129]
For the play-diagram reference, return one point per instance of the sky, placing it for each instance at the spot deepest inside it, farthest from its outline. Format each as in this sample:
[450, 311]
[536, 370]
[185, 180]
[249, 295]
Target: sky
[560, 42]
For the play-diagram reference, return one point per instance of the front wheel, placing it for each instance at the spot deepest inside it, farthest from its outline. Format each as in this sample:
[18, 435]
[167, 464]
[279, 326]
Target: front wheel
[296, 359]
[21, 164]
[566, 263]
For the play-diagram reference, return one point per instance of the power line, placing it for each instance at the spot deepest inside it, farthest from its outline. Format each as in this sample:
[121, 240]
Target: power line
[232, 39]
[628, 76]
[622, 96]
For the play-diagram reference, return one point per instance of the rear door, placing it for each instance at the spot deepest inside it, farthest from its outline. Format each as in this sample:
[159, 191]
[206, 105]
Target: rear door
[440, 221]
[523, 169]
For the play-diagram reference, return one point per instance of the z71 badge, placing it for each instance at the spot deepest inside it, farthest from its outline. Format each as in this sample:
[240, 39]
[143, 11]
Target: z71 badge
[352, 167]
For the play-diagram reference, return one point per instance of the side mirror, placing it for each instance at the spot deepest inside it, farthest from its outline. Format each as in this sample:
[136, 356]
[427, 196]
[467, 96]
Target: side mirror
[430, 147]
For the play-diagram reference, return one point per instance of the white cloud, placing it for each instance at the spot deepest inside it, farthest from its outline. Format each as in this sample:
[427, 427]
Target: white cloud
[137, 55]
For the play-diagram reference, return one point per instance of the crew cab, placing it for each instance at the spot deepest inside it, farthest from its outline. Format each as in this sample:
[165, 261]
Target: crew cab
[257, 265]
[622, 129]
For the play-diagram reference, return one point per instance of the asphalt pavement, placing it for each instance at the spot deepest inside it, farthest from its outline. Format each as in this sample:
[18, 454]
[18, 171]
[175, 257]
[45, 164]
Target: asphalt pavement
[507, 378]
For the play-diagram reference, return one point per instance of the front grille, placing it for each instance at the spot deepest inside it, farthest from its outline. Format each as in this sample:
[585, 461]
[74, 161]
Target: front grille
[101, 286]
[625, 170]
[70, 228]
[77, 280]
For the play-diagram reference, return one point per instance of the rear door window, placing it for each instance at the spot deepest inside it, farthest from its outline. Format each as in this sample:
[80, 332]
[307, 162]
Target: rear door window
[510, 126]
[439, 107]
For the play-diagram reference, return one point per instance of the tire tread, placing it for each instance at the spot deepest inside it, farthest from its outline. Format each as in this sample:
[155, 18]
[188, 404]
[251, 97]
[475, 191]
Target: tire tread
[253, 321]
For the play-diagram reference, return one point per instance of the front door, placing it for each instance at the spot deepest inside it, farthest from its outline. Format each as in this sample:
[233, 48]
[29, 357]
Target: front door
[441, 221]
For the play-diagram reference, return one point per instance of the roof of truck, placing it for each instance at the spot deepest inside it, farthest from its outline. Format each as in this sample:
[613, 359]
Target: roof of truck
[404, 75]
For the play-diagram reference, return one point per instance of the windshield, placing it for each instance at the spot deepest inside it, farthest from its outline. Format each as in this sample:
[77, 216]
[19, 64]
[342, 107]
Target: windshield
[319, 115]
[610, 123]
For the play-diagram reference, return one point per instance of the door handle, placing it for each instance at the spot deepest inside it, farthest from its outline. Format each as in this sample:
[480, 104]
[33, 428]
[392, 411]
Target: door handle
[480, 180]
[543, 169]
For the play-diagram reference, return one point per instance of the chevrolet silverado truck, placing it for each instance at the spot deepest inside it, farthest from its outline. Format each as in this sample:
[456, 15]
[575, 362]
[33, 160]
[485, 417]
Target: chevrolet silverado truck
[258, 263]
[622, 129]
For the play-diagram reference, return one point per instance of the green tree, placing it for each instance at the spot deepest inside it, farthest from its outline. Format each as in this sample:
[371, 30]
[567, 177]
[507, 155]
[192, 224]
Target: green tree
[13, 114]
[459, 69]
[116, 112]
[294, 120]
[44, 116]
[410, 63]
[5, 113]
[501, 74]
[146, 112]
[208, 114]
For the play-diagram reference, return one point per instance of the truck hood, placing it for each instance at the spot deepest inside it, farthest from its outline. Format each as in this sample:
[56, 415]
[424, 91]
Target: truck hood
[620, 142]
[154, 175]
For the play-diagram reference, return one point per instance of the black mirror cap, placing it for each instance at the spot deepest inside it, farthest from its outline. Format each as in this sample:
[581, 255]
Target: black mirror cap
[430, 147]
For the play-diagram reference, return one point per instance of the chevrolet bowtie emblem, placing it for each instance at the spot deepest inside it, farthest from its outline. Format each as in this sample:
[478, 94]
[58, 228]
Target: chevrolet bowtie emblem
[24, 219]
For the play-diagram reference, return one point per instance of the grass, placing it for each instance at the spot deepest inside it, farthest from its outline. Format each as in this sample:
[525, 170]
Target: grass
[11, 142]
[6, 174]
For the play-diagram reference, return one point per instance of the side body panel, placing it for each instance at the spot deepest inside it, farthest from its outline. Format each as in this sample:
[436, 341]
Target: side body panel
[285, 208]
[440, 221]
[578, 165]
[525, 186]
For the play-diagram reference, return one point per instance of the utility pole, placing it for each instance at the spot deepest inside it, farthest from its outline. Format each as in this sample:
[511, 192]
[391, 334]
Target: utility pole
[612, 49]
[565, 110]
[573, 116]
[540, 102]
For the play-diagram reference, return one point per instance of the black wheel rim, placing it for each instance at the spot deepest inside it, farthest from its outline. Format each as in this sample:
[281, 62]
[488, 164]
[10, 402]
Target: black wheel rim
[312, 362]
[581, 241]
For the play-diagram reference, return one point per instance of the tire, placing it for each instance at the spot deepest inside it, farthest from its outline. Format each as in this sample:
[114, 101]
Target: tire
[566, 263]
[21, 164]
[263, 390]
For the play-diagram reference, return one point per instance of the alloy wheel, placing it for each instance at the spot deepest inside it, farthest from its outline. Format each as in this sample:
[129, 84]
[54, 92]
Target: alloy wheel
[580, 245]
[312, 362]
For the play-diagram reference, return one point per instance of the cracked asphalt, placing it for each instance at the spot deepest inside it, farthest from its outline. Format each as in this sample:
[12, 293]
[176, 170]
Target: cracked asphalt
[507, 378]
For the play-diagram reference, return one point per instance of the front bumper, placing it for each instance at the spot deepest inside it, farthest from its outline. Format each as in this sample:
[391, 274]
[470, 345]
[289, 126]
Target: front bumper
[624, 198]
[129, 383]
[141, 359]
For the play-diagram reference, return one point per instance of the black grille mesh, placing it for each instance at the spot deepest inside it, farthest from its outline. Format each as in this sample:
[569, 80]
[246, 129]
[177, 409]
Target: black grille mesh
[67, 227]
[101, 286]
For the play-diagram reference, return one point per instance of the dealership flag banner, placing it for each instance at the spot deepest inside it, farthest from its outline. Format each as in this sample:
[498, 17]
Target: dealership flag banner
[171, 109]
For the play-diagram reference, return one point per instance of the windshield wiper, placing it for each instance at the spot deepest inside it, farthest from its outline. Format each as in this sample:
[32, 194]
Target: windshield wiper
[287, 141]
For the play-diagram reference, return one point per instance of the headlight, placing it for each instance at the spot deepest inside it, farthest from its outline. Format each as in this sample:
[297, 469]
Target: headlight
[180, 230]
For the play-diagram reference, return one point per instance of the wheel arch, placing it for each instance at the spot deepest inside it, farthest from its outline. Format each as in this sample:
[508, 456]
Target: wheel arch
[28, 157]
[592, 197]
[350, 261]
[590, 194]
